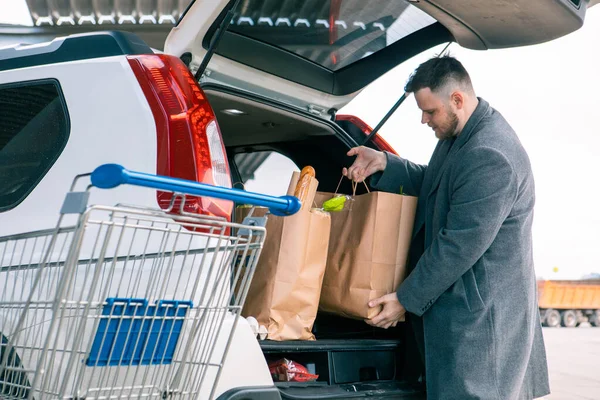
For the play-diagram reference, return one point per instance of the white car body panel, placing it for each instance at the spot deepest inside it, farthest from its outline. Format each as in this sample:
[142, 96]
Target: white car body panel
[111, 122]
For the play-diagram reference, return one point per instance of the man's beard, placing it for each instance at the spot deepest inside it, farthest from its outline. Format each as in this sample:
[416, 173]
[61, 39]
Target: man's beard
[450, 127]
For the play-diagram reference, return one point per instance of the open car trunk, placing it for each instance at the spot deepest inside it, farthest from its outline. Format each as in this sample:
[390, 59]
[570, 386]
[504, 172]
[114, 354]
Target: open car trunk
[351, 358]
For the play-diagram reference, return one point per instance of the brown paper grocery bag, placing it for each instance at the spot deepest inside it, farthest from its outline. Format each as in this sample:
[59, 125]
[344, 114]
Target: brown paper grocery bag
[368, 250]
[285, 290]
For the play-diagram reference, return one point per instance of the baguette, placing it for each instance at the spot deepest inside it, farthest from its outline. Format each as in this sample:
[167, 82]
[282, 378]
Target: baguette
[303, 185]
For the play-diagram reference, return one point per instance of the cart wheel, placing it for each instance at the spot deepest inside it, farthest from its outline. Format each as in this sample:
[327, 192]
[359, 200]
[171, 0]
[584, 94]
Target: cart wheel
[568, 319]
[552, 319]
[595, 319]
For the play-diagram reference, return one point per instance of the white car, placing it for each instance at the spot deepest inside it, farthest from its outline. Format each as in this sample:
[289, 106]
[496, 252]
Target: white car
[239, 82]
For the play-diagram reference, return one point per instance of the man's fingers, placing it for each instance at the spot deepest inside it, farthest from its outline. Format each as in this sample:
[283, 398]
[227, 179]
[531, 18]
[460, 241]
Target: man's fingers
[381, 319]
[353, 151]
[378, 301]
[355, 173]
[364, 166]
[358, 174]
[376, 323]
[385, 324]
[350, 172]
[345, 171]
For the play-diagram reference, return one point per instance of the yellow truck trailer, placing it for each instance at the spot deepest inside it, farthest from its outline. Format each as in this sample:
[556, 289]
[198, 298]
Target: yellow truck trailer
[569, 303]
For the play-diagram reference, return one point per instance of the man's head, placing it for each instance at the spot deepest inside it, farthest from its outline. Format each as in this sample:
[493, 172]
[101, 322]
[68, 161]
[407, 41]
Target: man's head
[445, 95]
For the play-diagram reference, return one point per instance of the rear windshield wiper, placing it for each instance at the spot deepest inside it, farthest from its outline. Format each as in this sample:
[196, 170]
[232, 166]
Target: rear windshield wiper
[216, 38]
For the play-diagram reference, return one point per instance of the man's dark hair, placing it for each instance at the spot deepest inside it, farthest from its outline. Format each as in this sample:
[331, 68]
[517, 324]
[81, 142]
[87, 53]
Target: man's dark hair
[438, 73]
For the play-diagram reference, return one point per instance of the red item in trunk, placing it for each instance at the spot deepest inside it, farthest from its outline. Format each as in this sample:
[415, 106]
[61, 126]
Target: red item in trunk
[285, 370]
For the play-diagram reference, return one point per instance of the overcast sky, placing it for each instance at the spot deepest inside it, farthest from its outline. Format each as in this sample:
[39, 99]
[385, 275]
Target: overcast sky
[550, 94]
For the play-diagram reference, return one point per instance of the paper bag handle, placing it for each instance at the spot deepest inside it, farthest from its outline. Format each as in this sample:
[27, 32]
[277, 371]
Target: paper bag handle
[354, 186]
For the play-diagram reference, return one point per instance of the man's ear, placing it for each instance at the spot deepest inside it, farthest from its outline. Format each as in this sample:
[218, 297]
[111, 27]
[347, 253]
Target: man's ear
[457, 99]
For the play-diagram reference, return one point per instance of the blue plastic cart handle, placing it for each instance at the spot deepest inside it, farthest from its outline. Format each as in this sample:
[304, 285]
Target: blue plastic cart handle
[109, 176]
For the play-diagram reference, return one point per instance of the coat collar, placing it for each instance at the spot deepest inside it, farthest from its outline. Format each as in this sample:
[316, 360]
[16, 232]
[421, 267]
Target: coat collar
[468, 131]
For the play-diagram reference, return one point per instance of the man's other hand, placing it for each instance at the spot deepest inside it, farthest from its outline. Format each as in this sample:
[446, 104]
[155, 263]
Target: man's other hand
[390, 314]
[368, 162]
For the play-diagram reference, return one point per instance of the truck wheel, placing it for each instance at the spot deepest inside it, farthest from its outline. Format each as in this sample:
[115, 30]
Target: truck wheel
[595, 319]
[568, 319]
[552, 319]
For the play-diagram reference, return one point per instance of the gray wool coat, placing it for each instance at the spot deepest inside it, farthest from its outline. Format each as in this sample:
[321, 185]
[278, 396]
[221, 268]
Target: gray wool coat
[471, 288]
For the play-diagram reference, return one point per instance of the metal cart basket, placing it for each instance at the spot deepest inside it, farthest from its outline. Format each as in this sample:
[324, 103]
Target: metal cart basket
[130, 302]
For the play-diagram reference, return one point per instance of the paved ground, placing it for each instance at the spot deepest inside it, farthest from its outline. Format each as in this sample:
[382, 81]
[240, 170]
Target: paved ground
[574, 362]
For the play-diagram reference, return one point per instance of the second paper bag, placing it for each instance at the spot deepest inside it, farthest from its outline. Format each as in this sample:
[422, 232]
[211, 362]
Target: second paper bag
[284, 293]
[368, 250]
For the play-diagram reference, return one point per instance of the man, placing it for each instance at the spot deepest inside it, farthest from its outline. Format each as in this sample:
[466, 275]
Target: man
[471, 288]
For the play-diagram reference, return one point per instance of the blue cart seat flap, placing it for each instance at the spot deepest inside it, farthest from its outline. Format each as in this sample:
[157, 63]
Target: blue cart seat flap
[133, 332]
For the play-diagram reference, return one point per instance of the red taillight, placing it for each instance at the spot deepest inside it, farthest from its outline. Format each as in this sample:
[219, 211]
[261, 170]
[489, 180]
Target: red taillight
[362, 125]
[189, 142]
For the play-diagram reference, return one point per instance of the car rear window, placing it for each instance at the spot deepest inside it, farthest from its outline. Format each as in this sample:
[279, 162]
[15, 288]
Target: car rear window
[34, 129]
[331, 33]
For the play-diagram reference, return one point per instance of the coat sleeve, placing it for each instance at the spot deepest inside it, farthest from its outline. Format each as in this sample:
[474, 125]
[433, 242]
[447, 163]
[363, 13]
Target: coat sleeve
[399, 173]
[484, 190]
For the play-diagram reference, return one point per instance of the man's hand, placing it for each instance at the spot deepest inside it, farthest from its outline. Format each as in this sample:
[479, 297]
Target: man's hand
[368, 161]
[390, 314]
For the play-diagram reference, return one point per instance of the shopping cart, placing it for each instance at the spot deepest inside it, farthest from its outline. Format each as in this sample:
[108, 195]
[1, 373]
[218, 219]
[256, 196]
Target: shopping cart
[130, 302]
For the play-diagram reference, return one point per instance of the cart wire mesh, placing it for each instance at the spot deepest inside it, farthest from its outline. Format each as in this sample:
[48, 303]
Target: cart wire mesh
[129, 303]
